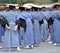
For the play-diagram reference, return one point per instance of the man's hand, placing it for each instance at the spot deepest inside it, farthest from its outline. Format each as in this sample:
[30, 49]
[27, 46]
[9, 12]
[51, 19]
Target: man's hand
[15, 28]
[7, 27]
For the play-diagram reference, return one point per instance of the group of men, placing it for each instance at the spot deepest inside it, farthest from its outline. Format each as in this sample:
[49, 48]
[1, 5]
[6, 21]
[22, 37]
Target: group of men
[30, 26]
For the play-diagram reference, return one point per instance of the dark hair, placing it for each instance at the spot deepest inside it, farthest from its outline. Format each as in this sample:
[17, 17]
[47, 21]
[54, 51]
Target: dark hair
[56, 6]
[35, 8]
[43, 8]
[22, 8]
[28, 9]
[11, 7]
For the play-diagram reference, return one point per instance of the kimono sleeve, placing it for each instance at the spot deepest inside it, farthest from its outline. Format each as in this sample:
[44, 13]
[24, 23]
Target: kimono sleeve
[21, 23]
[18, 22]
[50, 21]
[4, 22]
[41, 22]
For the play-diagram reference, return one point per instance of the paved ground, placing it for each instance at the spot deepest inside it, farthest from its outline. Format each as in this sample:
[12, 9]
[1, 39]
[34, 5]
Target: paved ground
[44, 48]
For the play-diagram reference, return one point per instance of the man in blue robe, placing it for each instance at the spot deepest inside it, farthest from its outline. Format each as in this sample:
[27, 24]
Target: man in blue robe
[11, 33]
[36, 26]
[28, 38]
[0, 31]
[41, 17]
[45, 24]
[56, 24]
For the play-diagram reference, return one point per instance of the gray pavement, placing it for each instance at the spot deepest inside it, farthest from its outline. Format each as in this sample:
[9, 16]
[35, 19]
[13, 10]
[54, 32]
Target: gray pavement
[44, 48]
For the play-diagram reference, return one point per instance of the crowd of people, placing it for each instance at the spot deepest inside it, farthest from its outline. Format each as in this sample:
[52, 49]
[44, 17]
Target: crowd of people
[30, 26]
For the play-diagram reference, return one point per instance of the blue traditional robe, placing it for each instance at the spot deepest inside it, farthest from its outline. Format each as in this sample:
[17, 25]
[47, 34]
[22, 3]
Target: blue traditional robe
[45, 26]
[11, 37]
[1, 30]
[56, 27]
[28, 38]
[20, 29]
[36, 28]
